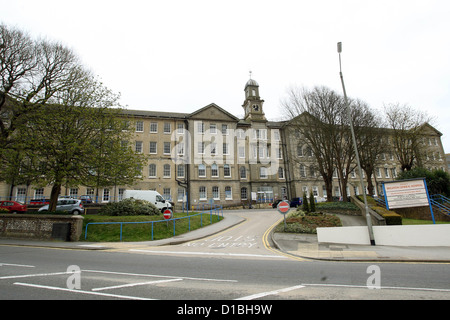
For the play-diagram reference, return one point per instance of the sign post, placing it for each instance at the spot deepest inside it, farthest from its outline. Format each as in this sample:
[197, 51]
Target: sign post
[283, 208]
[407, 194]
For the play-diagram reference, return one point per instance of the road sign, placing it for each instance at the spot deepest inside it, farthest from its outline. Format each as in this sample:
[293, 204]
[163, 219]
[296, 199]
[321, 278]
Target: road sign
[167, 214]
[283, 207]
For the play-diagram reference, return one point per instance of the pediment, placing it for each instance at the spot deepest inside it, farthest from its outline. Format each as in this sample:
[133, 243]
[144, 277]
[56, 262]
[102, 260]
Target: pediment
[212, 112]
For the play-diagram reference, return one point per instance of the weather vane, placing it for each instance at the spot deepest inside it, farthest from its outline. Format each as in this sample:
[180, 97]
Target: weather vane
[250, 72]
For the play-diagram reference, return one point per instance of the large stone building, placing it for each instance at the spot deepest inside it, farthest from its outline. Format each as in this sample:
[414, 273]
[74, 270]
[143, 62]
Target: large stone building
[211, 156]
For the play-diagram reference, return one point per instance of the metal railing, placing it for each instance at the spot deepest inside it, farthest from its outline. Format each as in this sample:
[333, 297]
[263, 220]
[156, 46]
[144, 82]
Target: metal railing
[217, 211]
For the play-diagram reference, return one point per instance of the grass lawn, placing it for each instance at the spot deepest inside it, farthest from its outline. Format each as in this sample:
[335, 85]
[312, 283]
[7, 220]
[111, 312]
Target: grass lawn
[137, 230]
[416, 221]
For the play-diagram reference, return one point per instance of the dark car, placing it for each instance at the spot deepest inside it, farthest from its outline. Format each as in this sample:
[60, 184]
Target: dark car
[13, 206]
[86, 199]
[276, 202]
[296, 202]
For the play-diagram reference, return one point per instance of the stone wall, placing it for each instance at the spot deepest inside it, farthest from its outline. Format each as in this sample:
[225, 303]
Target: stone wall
[41, 227]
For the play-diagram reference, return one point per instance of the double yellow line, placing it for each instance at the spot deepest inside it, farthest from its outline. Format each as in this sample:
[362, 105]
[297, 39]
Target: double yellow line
[268, 247]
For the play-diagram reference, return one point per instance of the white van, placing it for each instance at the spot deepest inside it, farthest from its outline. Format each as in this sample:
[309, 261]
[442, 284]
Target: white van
[150, 196]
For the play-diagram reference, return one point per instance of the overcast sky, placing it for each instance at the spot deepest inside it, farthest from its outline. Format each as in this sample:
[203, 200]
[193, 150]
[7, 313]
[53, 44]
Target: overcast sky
[182, 55]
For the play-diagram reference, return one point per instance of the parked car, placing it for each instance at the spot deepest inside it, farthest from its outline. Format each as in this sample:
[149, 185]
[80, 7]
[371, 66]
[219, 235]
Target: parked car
[72, 206]
[86, 199]
[13, 206]
[276, 202]
[39, 201]
[295, 202]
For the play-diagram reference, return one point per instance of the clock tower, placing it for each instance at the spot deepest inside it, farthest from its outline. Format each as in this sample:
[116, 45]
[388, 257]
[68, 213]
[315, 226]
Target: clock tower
[253, 103]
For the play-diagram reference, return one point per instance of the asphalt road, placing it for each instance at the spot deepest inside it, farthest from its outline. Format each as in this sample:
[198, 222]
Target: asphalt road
[236, 264]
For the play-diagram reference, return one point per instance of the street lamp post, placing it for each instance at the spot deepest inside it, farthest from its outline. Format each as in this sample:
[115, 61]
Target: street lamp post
[355, 146]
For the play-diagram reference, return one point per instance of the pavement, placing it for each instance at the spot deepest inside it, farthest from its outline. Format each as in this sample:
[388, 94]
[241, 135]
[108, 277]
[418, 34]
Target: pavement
[300, 245]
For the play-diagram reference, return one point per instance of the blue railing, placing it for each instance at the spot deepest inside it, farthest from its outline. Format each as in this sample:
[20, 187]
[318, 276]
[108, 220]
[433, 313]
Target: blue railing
[218, 211]
[441, 202]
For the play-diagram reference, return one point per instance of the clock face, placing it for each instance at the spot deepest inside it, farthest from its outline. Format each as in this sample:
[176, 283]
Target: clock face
[255, 107]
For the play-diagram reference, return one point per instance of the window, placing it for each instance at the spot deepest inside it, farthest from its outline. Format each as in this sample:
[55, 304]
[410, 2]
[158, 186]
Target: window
[153, 127]
[180, 171]
[226, 170]
[153, 149]
[224, 129]
[166, 194]
[212, 128]
[215, 193]
[180, 148]
[386, 172]
[214, 170]
[280, 173]
[180, 128]
[167, 128]
[378, 172]
[225, 148]
[263, 173]
[213, 147]
[201, 147]
[302, 171]
[39, 193]
[105, 197]
[166, 172]
[228, 194]
[299, 151]
[138, 147]
[180, 196]
[201, 170]
[202, 193]
[152, 170]
[279, 153]
[139, 126]
[243, 173]
[200, 127]
[241, 151]
[73, 192]
[244, 193]
[166, 147]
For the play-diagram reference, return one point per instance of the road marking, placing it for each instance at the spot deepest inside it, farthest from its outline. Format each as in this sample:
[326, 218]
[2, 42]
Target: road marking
[158, 276]
[269, 293]
[136, 284]
[35, 275]
[211, 254]
[16, 265]
[366, 287]
[80, 291]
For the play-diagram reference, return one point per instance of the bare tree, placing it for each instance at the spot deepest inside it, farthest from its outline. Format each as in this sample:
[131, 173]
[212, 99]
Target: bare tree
[32, 73]
[314, 115]
[405, 124]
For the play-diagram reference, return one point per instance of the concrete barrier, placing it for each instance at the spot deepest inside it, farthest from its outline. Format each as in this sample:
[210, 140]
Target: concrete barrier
[433, 235]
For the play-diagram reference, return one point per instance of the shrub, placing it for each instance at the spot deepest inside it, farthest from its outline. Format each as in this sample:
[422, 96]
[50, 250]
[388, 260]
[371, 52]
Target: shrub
[129, 207]
[312, 202]
[391, 218]
[305, 206]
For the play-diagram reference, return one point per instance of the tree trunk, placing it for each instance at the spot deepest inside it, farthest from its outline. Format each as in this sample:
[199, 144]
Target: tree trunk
[56, 190]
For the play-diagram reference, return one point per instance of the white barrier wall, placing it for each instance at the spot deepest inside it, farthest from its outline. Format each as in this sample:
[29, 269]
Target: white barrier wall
[414, 235]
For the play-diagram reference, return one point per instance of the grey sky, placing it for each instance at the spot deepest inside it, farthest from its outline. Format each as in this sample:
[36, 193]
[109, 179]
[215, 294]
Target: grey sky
[182, 55]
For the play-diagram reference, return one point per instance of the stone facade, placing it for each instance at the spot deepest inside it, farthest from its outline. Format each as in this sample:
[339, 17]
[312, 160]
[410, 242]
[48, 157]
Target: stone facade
[211, 156]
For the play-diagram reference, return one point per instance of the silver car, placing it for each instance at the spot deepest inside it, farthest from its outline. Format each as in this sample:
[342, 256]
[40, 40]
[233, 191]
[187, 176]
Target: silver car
[72, 206]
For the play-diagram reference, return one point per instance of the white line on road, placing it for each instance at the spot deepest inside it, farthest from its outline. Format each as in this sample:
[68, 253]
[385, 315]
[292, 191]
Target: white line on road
[269, 293]
[158, 276]
[136, 284]
[79, 291]
[16, 265]
[366, 287]
[34, 275]
[211, 254]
